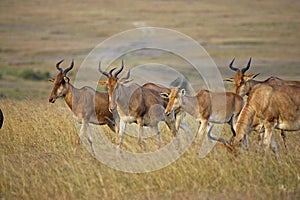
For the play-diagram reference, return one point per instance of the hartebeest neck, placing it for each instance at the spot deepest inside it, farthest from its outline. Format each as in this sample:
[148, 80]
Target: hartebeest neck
[69, 95]
[124, 94]
[244, 123]
[190, 105]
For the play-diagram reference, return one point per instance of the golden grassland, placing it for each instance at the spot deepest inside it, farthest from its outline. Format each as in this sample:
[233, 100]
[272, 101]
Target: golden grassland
[38, 162]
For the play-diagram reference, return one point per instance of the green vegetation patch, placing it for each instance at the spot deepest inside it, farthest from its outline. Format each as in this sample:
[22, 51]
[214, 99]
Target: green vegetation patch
[27, 74]
[30, 74]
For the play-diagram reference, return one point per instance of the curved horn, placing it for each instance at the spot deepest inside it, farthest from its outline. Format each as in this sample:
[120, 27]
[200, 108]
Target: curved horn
[248, 66]
[103, 72]
[111, 71]
[69, 68]
[127, 75]
[57, 66]
[119, 71]
[231, 67]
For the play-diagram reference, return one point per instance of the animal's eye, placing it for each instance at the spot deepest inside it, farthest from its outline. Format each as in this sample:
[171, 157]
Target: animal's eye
[239, 83]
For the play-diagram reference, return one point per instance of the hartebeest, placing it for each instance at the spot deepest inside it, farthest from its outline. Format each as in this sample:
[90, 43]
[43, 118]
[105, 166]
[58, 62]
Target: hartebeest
[206, 106]
[87, 105]
[135, 104]
[179, 114]
[274, 106]
[243, 85]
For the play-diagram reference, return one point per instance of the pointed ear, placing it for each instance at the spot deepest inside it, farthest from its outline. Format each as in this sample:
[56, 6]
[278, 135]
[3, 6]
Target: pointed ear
[164, 95]
[102, 82]
[250, 77]
[124, 81]
[229, 79]
[51, 79]
[66, 79]
[182, 92]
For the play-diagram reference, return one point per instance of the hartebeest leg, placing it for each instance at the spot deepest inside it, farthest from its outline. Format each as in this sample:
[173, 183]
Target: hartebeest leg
[208, 132]
[141, 132]
[274, 147]
[232, 124]
[178, 120]
[90, 139]
[171, 124]
[283, 136]
[115, 128]
[122, 127]
[155, 129]
[246, 141]
[82, 132]
[232, 127]
[269, 139]
[115, 125]
[201, 130]
[260, 138]
[267, 136]
[180, 123]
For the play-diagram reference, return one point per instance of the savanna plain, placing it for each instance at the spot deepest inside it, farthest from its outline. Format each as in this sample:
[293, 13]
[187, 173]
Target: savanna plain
[37, 140]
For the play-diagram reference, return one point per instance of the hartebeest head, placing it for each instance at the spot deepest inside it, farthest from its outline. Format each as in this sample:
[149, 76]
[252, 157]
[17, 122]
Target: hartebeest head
[241, 79]
[174, 99]
[60, 82]
[112, 84]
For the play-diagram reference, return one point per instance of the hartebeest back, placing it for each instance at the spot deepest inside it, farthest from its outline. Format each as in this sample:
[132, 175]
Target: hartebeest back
[135, 104]
[206, 106]
[86, 104]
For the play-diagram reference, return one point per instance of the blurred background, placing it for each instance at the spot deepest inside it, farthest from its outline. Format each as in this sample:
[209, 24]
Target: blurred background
[35, 35]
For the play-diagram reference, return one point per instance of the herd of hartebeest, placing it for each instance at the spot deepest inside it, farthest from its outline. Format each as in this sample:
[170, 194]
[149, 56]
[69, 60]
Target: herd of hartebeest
[273, 103]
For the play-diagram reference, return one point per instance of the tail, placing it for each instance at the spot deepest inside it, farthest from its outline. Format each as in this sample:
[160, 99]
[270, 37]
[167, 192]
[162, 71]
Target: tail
[220, 141]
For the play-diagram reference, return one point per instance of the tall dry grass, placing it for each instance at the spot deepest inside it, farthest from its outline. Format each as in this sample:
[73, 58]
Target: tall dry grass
[38, 162]
[37, 159]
